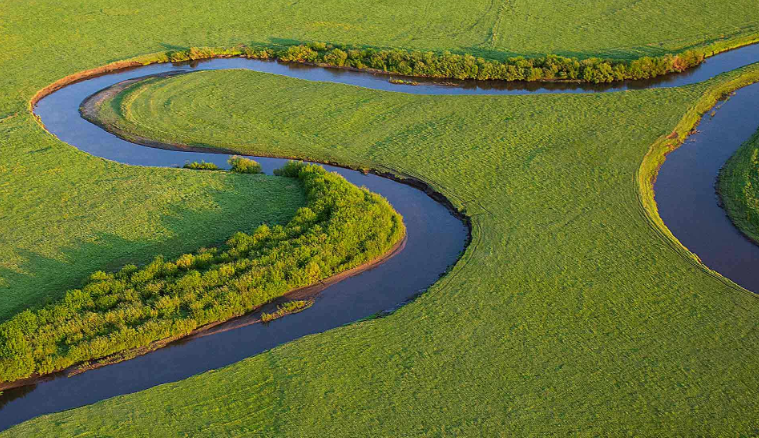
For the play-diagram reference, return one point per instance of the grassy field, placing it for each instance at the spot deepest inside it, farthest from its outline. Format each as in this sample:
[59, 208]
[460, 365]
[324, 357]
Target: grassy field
[739, 188]
[48, 241]
[570, 312]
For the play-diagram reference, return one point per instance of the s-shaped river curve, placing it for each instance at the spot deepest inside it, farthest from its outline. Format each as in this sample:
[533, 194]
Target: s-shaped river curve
[430, 226]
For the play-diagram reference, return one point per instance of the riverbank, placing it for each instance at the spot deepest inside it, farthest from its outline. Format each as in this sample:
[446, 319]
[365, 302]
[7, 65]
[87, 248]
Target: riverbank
[646, 176]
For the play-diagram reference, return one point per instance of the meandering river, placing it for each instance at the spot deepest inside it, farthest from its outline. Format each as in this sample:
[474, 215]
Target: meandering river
[684, 192]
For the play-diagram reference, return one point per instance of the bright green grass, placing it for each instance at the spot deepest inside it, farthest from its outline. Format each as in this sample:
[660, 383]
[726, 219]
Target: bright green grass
[495, 326]
[340, 228]
[569, 313]
[739, 188]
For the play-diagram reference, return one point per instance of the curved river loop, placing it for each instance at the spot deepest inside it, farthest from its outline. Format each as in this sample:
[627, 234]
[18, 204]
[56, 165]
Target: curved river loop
[684, 189]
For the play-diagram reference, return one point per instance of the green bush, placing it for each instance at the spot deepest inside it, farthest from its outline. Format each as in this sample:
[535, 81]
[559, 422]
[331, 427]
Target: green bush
[244, 165]
[201, 166]
[341, 227]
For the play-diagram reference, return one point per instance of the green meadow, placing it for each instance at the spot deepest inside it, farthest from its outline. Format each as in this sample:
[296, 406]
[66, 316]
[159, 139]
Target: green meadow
[572, 311]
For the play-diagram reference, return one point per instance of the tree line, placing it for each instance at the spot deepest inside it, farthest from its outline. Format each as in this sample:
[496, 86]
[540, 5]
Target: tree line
[458, 66]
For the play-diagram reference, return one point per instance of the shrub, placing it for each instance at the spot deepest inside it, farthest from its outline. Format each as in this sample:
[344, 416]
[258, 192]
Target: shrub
[244, 165]
[201, 166]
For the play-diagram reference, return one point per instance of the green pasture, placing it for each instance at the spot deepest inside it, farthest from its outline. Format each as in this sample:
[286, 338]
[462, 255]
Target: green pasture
[570, 313]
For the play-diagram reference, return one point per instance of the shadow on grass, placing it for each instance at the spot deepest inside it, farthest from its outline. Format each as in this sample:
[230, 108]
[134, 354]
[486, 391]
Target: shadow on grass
[41, 279]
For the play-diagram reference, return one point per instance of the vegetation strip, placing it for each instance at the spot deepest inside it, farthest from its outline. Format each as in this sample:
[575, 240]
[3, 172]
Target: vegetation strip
[286, 309]
[550, 68]
[342, 227]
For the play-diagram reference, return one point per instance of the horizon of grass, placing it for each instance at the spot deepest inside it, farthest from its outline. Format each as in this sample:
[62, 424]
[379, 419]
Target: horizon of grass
[571, 312]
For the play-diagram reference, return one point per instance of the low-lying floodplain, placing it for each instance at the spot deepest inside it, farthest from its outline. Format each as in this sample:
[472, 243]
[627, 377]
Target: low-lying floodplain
[573, 310]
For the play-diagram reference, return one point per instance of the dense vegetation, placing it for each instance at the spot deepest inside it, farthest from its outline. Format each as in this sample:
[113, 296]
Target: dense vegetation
[340, 228]
[466, 66]
[739, 188]
[568, 315]
[200, 165]
[448, 65]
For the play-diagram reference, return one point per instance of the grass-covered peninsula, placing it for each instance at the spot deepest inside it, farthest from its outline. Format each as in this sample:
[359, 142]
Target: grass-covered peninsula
[340, 228]
[739, 188]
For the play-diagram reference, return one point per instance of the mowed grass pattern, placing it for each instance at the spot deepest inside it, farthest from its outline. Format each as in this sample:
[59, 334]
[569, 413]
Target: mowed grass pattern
[569, 313]
[617, 334]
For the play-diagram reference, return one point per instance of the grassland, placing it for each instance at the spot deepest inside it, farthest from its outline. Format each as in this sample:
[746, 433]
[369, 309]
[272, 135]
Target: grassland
[570, 312]
[606, 327]
[739, 188]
